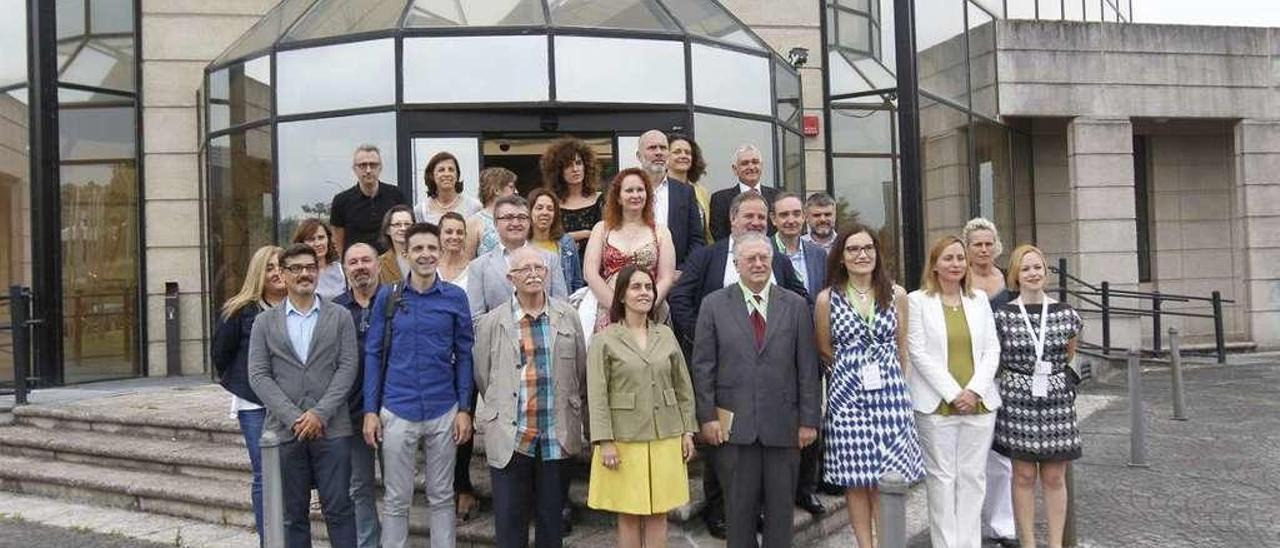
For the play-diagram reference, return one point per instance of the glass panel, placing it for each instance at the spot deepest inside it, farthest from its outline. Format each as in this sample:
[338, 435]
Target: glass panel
[792, 160]
[982, 61]
[611, 14]
[1051, 9]
[630, 142]
[241, 205]
[1021, 9]
[787, 92]
[315, 162]
[270, 28]
[1023, 190]
[240, 94]
[941, 54]
[853, 31]
[995, 187]
[15, 178]
[99, 200]
[490, 13]
[862, 131]
[994, 7]
[110, 16]
[623, 70]
[358, 74]
[478, 68]
[1075, 11]
[865, 191]
[466, 149]
[887, 52]
[842, 76]
[339, 17]
[862, 5]
[13, 41]
[944, 152]
[99, 63]
[709, 19]
[70, 18]
[731, 80]
[875, 73]
[719, 136]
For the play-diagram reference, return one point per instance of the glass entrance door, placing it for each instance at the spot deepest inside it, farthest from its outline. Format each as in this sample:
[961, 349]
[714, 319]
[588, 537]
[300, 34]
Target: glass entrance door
[521, 154]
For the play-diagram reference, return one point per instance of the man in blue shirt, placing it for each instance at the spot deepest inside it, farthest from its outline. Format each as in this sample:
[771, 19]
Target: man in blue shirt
[423, 396]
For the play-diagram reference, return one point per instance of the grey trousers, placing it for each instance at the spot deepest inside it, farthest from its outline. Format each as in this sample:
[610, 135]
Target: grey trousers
[757, 478]
[400, 440]
[362, 489]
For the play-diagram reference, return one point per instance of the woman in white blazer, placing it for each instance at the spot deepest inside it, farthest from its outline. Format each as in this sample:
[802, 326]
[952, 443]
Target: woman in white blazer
[954, 351]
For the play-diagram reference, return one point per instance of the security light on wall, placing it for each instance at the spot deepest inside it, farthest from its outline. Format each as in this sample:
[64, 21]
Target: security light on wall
[798, 56]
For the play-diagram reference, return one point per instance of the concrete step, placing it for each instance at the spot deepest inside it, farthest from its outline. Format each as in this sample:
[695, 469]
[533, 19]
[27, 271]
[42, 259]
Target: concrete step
[187, 425]
[199, 459]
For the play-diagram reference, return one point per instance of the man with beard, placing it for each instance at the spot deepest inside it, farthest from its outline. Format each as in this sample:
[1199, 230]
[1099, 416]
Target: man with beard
[820, 212]
[674, 205]
[302, 363]
[361, 265]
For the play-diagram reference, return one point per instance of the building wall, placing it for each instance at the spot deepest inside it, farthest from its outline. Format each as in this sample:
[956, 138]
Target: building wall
[179, 38]
[15, 194]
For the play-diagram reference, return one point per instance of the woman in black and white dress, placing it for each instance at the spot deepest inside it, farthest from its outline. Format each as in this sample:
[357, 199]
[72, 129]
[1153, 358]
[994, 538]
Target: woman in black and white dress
[1036, 425]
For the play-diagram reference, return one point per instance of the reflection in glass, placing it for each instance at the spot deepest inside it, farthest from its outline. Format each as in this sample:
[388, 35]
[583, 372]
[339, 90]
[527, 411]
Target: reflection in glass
[623, 70]
[730, 80]
[96, 133]
[941, 49]
[944, 155]
[339, 17]
[70, 18]
[110, 16]
[490, 13]
[240, 93]
[353, 75]
[241, 205]
[982, 61]
[100, 63]
[476, 69]
[611, 14]
[787, 91]
[13, 41]
[994, 185]
[865, 191]
[315, 162]
[709, 19]
[15, 178]
[719, 136]
[862, 131]
[853, 31]
[268, 29]
[792, 160]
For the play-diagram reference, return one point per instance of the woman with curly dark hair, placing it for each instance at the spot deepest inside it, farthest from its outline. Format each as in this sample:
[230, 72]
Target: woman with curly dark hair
[569, 169]
[687, 166]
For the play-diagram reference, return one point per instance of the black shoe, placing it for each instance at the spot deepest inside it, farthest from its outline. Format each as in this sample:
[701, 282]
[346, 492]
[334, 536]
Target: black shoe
[716, 527]
[566, 520]
[1008, 542]
[831, 489]
[811, 504]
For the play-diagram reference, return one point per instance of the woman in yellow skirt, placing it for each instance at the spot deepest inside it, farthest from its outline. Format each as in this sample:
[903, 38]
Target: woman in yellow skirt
[641, 403]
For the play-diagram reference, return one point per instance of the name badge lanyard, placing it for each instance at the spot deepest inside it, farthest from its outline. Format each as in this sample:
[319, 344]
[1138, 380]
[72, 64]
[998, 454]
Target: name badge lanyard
[1040, 376]
[870, 371]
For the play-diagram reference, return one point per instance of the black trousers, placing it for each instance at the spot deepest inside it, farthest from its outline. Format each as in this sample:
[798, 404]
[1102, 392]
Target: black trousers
[462, 465]
[758, 478]
[324, 463]
[528, 485]
[810, 468]
[714, 509]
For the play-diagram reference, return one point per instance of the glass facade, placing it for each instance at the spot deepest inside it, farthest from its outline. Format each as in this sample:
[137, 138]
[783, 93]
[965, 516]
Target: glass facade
[401, 73]
[15, 178]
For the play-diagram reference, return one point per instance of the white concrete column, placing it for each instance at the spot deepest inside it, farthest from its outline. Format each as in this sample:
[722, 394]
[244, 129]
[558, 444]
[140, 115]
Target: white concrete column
[1100, 181]
[1257, 186]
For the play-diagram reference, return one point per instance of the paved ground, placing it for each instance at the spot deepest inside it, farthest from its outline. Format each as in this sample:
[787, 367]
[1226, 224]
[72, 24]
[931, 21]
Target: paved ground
[19, 532]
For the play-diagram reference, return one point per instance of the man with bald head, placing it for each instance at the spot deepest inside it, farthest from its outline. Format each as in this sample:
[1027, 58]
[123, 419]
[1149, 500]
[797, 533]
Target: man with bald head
[674, 204]
[748, 166]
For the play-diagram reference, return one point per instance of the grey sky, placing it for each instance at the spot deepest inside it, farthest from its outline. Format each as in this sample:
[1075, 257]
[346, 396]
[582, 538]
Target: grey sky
[1252, 13]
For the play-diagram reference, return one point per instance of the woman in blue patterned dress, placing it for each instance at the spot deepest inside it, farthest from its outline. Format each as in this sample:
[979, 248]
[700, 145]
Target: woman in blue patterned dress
[869, 427]
[1036, 425]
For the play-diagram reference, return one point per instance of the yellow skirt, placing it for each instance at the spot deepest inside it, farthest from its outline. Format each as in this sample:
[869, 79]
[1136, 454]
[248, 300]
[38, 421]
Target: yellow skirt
[651, 479]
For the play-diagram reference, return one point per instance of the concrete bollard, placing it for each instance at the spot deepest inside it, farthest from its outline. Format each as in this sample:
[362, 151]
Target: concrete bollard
[893, 510]
[272, 492]
[1137, 420]
[1175, 361]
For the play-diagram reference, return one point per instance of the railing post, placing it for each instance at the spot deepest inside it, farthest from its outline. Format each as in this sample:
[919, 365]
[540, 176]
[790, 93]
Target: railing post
[1175, 365]
[1219, 336]
[1106, 317]
[272, 491]
[893, 510]
[1062, 279]
[1137, 420]
[19, 311]
[1155, 323]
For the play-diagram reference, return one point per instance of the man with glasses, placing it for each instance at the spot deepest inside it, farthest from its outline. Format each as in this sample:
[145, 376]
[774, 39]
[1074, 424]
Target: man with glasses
[302, 364]
[424, 395]
[356, 213]
[361, 265]
[487, 284]
[534, 387]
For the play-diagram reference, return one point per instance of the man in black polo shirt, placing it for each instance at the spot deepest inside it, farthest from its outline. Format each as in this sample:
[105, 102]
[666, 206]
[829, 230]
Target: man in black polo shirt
[356, 213]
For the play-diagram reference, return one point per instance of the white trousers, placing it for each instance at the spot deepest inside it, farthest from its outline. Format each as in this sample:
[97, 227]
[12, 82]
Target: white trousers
[955, 458]
[997, 508]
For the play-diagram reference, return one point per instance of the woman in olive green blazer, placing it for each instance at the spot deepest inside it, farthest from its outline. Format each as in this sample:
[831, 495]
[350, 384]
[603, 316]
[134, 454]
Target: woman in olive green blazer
[641, 408]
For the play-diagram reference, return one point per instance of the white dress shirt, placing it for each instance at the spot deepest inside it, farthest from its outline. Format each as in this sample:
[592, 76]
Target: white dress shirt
[661, 202]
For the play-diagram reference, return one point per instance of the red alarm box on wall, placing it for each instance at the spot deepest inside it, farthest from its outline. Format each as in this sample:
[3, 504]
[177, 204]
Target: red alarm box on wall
[810, 126]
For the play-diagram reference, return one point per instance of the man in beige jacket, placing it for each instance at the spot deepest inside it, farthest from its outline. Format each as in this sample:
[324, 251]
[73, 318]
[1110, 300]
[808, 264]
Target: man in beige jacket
[531, 367]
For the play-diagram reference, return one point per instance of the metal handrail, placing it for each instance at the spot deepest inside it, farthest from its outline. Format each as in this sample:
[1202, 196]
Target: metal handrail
[19, 300]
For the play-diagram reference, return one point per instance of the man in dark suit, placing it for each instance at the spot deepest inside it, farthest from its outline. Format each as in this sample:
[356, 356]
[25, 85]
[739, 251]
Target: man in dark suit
[706, 271]
[755, 366]
[748, 167]
[674, 204]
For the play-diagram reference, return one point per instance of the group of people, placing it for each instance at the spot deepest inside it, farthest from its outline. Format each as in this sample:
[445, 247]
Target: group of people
[638, 328]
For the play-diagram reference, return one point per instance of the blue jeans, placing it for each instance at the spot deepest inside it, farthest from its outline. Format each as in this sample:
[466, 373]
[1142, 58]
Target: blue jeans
[368, 532]
[251, 427]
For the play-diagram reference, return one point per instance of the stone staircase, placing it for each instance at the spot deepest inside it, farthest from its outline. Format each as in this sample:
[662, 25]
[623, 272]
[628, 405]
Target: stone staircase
[177, 453]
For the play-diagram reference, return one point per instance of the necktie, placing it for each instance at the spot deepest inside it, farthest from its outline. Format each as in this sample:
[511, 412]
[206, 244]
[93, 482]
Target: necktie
[757, 324]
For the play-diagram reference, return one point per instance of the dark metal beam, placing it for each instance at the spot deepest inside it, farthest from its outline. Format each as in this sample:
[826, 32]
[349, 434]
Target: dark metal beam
[909, 142]
[42, 67]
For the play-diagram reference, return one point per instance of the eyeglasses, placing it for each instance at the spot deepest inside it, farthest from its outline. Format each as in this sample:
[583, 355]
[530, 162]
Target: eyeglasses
[869, 250]
[300, 268]
[529, 270]
[368, 165]
[514, 218]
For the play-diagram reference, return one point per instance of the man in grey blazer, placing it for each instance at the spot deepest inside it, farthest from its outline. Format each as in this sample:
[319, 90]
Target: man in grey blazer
[302, 363]
[754, 356]
[487, 283]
